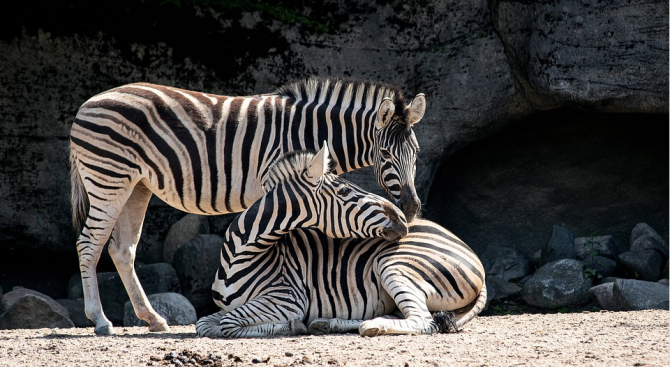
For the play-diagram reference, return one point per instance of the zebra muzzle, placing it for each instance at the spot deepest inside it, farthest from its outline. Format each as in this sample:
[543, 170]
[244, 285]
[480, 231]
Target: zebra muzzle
[397, 226]
[409, 202]
[394, 232]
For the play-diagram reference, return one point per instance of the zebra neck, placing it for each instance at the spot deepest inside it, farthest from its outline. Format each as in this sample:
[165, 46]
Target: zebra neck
[257, 229]
[349, 131]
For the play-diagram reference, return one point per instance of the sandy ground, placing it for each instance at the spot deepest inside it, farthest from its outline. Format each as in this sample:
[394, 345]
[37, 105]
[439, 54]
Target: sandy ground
[577, 339]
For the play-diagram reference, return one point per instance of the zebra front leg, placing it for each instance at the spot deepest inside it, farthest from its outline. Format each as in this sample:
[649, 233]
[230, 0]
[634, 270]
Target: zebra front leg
[258, 318]
[122, 249]
[333, 326]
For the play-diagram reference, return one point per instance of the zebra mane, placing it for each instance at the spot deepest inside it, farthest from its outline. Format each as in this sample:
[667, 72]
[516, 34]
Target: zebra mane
[289, 165]
[312, 88]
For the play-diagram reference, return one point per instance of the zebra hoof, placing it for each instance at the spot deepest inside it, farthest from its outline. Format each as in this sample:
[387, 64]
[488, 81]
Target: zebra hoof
[104, 330]
[297, 327]
[370, 329]
[319, 327]
[159, 326]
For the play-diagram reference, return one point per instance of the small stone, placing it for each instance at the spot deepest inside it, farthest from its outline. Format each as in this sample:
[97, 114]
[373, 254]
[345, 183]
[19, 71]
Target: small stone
[559, 247]
[288, 354]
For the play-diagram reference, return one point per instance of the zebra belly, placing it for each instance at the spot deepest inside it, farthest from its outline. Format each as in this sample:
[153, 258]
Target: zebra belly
[203, 204]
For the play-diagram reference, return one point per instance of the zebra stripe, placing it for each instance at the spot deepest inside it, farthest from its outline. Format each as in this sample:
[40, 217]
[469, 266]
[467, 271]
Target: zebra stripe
[276, 274]
[208, 154]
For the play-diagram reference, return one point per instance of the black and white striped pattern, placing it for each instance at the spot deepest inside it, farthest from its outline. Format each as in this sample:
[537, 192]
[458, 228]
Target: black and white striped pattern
[276, 275]
[207, 154]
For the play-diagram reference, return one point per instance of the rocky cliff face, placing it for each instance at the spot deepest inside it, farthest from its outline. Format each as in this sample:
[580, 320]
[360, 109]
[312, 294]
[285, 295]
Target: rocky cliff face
[483, 65]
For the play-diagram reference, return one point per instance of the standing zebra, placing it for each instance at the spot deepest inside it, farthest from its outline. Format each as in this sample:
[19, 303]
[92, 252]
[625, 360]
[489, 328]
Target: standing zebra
[207, 154]
[276, 275]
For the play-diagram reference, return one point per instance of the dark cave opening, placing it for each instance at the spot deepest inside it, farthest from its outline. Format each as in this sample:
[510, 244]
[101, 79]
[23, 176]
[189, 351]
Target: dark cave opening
[593, 173]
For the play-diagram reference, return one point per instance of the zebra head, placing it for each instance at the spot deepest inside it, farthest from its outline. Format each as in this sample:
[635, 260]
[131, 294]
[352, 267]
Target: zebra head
[332, 204]
[395, 152]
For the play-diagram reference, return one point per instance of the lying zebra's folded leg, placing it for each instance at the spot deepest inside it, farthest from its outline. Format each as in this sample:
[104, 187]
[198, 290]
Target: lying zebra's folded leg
[341, 326]
[268, 321]
[417, 319]
[333, 326]
[415, 324]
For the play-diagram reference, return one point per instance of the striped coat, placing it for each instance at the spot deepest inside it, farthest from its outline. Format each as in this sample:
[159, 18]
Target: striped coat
[208, 154]
[431, 277]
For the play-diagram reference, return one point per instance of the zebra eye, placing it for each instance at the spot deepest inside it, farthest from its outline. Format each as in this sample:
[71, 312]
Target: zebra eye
[385, 153]
[344, 191]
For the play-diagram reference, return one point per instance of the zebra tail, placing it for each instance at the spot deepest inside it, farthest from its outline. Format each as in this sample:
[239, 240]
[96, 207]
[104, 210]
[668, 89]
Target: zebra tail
[210, 326]
[473, 310]
[453, 321]
[79, 198]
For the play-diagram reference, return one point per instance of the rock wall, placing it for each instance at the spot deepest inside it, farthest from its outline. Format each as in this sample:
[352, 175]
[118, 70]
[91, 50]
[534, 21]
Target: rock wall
[482, 65]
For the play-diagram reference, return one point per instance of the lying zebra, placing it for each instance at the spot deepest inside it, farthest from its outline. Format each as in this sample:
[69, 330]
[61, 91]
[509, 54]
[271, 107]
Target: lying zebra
[276, 274]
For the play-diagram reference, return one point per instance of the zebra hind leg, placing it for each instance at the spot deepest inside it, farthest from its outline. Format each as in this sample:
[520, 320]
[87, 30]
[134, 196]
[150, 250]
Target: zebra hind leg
[411, 303]
[89, 247]
[122, 248]
[96, 231]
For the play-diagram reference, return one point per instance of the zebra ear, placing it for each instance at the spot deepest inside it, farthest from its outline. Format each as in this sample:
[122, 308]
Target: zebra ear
[385, 113]
[319, 165]
[416, 109]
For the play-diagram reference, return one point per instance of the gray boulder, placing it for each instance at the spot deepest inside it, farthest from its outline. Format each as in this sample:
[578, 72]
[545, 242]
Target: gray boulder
[603, 295]
[609, 279]
[174, 307]
[155, 278]
[599, 267]
[505, 263]
[500, 288]
[536, 259]
[76, 311]
[196, 263]
[74, 288]
[183, 231]
[590, 247]
[558, 283]
[643, 264]
[642, 230]
[9, 298]
[560, 246]
[644, 237]
[633, 295]
[27, 309]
